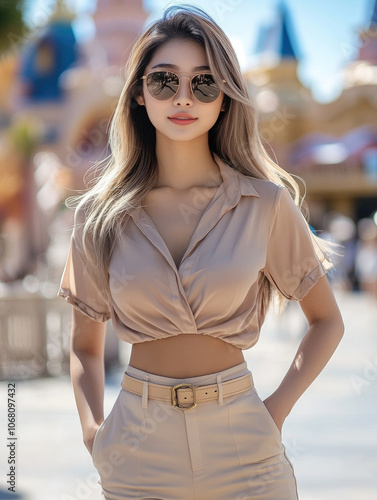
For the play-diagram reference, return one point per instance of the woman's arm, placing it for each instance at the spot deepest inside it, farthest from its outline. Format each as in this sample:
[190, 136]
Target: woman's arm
[325, 331]
[88, 372]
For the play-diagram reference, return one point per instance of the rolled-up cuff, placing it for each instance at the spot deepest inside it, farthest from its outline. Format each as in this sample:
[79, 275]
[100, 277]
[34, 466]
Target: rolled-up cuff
[310, 280]
[82, 307]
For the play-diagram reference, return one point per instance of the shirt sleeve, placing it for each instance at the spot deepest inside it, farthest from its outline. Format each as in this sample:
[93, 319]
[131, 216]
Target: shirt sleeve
[294, 261]
[79, 286]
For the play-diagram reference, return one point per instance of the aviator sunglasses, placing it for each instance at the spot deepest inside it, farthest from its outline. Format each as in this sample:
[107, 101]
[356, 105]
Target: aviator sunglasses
[163, 85]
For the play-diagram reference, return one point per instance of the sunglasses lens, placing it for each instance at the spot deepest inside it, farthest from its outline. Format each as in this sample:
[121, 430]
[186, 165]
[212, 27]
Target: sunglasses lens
[162, 85]
[205, 88]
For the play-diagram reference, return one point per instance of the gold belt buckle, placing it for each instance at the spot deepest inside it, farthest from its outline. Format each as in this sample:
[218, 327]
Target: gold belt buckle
[174, 398]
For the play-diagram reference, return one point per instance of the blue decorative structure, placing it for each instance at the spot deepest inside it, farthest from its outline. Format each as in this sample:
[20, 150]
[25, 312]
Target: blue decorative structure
[45, 59]
[373, 22]
[277, 40]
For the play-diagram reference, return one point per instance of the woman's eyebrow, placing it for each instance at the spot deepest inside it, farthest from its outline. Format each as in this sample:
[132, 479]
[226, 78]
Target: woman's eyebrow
[173, 66]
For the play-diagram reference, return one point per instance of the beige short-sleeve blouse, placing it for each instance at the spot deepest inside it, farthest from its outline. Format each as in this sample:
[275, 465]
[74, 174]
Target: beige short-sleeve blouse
[250, 227]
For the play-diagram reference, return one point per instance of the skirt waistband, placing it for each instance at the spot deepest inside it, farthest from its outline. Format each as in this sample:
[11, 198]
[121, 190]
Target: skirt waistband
[210, 378]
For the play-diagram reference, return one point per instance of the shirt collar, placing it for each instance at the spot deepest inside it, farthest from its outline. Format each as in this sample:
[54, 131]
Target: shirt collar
[235, 182]
[226, 197]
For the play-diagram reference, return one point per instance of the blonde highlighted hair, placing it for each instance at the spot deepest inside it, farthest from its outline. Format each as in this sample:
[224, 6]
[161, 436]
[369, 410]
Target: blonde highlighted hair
[130, 172]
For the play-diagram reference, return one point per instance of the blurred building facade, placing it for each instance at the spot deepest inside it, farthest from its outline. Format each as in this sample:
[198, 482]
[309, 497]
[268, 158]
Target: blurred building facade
[58, 96]
[332, 146]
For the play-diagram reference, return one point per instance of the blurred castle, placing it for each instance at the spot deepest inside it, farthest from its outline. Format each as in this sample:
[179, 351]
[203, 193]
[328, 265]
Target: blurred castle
[332, 146]
[57, 98]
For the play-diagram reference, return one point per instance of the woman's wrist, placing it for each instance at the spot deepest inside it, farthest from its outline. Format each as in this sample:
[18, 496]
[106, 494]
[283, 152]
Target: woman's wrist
[277, 408]
[89, 433]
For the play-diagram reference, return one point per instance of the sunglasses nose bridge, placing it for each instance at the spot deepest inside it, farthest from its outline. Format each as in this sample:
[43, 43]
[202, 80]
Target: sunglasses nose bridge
[188, 92]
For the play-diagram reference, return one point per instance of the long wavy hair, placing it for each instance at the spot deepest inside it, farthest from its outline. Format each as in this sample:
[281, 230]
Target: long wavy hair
[131, 171]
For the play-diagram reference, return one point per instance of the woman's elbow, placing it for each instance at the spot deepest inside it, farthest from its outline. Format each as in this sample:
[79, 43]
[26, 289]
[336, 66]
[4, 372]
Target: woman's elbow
[337, 326]
[88, 336]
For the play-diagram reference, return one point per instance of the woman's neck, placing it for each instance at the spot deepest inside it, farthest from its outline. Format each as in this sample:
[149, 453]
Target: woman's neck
[183, 165]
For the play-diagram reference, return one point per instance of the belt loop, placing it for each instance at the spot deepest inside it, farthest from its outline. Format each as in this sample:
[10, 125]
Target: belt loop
[220, 388]
[144, 399]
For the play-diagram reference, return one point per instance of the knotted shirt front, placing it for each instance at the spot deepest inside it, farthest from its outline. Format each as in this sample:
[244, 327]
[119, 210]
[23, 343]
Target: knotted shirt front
[250, 228]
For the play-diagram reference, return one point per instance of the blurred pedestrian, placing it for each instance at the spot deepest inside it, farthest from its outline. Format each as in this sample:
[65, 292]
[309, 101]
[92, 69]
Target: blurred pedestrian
[366, 256]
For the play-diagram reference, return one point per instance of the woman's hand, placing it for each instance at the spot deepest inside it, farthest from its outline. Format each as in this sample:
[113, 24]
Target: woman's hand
[319, 343]
[87, 372]
[274, 408]
[89, 435]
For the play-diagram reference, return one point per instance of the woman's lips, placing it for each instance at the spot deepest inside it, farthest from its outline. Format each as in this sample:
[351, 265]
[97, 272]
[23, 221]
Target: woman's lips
[182, 120]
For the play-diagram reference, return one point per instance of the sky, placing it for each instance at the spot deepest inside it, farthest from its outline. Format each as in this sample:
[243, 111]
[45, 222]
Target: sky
[325, 31]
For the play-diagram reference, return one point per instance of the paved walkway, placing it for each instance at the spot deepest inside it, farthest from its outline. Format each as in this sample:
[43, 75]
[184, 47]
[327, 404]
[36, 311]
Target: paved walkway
[330, 436]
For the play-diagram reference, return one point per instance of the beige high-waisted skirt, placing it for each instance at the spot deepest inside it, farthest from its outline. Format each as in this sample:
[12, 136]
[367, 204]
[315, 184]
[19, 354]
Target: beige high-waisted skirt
[219, 450]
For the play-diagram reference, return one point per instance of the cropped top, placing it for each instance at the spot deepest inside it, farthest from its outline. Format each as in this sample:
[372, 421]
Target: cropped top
[250, 226]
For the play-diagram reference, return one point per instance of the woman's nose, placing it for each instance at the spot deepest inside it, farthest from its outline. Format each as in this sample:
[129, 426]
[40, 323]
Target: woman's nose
[184, 95]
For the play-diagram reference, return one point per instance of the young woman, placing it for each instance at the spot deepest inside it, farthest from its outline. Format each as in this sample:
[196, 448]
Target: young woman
[184, 239]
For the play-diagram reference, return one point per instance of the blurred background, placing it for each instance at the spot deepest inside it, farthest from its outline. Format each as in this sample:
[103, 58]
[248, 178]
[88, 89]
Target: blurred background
[312, 69]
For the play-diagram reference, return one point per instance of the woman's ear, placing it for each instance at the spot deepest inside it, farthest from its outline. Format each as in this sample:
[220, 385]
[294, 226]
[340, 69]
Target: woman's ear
[140, 100]
[224, 104]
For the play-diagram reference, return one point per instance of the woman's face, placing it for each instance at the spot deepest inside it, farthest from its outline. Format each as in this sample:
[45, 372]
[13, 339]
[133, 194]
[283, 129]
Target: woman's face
[186, 56]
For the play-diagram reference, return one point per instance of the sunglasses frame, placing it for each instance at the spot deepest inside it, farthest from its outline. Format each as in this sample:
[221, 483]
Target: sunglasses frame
[179, 85]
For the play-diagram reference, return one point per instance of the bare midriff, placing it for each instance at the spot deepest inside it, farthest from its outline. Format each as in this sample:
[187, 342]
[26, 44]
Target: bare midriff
[185, 355]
